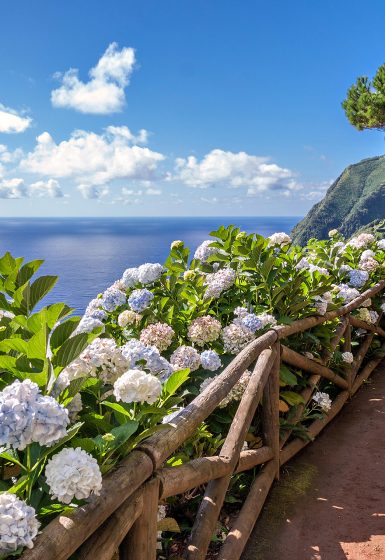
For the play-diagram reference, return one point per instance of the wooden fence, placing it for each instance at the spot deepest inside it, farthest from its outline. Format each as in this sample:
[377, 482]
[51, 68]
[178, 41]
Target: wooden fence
[122, 521]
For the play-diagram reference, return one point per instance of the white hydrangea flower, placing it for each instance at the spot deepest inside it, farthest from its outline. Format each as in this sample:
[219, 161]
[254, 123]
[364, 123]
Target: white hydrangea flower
[128, 317]
[347, 357]
[218, 282]
[26, 416]
[369, 264]
[136, 385]
[88, 324]
[235, 337]
[204, 329]
[364, 315]
[149, 273]
[323, 400]
[204, 250]
[280, 239]
[185, 357]
[367, 303]
[18, 524]
[333, 232]
[362, 240]
[381, 244]
[130, 277]
[382, 307]
[73, 473]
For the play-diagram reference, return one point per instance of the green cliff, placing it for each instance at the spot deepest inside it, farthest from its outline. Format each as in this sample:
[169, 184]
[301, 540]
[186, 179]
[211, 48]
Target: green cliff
[356, 199]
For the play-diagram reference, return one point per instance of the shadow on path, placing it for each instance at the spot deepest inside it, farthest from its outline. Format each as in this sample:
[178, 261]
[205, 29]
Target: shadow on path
[330, 501]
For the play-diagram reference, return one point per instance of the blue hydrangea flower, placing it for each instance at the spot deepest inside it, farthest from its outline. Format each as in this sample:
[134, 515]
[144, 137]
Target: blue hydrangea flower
[357, 278]
[112, 299]
[210, 360]
[251, 322]
[139, 300]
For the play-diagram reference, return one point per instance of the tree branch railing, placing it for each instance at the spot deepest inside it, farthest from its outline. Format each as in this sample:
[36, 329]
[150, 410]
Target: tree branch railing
[122, 521]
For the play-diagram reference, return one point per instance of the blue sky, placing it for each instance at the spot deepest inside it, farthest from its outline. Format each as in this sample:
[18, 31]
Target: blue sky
[204, 107]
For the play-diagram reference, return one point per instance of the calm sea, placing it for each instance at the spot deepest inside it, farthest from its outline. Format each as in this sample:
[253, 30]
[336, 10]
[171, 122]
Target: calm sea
[89, 254]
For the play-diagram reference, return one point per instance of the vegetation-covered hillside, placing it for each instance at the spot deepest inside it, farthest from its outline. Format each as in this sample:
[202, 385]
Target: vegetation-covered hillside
[354, 200]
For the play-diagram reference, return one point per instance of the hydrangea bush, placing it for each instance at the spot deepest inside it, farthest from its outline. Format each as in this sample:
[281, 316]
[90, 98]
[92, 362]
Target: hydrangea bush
[77, 394]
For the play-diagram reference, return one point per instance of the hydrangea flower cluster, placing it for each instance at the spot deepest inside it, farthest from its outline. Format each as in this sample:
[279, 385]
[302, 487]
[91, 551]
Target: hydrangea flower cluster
[26, 416]
[135, 351]
[73, 473]
[204, 251]
[362, 240]
[236, 337]
[323, 400]
[139, 300]
[367, 315]
[279, 239]
[147, 273]
[159, 335]
[218, 282]
[136, 385]
[113, 298]
[185, 357]
[357, 278]
[210, 360]
[18, 524]
[346, 293]
[128, 317]
[305, 264]
[204, 329]
[381, 244]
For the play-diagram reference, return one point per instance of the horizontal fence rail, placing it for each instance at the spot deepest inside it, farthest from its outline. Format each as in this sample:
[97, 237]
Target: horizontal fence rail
[121, 523]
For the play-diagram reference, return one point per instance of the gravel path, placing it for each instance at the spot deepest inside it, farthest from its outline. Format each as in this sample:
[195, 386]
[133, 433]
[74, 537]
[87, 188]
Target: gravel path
[330, 501]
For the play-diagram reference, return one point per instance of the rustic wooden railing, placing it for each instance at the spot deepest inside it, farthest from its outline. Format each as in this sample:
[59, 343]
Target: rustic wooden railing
[122, 521]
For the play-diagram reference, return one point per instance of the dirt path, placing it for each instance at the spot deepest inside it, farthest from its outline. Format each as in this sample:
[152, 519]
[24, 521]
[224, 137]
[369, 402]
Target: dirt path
[330, 501]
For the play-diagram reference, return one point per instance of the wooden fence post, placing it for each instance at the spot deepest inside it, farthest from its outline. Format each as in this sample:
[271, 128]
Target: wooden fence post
[270, 408]
[140, 542]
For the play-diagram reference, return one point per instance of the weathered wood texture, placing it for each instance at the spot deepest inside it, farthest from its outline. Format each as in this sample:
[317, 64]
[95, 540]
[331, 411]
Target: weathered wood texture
[142, 538]
[243, 525]
[293, 358]
[105, 542]
[213, 499]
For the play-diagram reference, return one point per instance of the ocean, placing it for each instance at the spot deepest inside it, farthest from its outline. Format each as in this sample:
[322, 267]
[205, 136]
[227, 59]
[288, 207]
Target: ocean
[89, 254]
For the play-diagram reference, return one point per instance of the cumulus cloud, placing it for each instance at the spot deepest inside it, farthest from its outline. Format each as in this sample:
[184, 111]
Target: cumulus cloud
[45, 189]
[13, 188]
[7, 156]
[17, 188]
[93, 159]
[11, 121]
[91, 192]
[104, 92]
[235, 170]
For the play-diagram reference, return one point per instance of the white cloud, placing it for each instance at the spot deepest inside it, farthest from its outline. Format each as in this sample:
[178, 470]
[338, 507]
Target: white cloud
[124, 132]
[104, 92]
[93, 159]
[153, 191]
[13, 188]
[9, 157]
[11, 121]
[234, 170]
[46, 189]
[91, 192]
